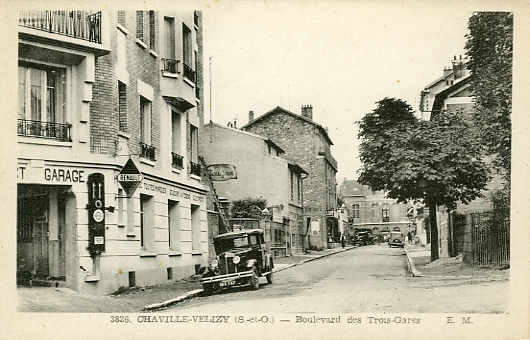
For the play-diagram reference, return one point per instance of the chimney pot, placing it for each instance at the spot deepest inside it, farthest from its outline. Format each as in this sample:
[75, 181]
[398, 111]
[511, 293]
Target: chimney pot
[307, 111]
[250, 116]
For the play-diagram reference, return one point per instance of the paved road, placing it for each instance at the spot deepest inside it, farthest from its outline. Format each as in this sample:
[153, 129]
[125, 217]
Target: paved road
[366, 279]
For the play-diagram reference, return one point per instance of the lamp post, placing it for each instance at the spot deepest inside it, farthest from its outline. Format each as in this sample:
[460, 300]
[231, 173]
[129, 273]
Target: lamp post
[266, 216]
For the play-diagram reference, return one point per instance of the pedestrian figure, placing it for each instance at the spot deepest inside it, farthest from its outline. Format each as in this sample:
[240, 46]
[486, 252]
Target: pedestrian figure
[343, 241]
[409, 236]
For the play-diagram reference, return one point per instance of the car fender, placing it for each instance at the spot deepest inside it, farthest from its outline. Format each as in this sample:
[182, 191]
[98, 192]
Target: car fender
[251, 263]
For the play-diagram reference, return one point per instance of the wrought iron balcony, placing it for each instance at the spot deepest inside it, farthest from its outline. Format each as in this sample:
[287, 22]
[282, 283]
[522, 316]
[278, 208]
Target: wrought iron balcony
[177, 160]
[147, 151]
[189, 73]
[171, 66]
[195, 169]
[76, 24]
[48, 130]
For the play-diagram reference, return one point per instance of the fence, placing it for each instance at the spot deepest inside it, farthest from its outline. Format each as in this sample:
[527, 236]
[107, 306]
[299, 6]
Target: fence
[487, 239]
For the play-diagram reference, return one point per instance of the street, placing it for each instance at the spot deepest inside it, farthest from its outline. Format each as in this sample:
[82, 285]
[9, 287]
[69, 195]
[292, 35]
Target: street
[366, 279]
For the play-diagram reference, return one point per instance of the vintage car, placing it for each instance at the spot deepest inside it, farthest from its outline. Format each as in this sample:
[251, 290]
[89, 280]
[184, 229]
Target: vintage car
[363, 238]
[396, 239]
[241, 258]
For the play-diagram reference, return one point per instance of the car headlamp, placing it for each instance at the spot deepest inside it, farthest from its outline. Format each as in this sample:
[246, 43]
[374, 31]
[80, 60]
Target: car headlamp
[236, 259]
[214, 263]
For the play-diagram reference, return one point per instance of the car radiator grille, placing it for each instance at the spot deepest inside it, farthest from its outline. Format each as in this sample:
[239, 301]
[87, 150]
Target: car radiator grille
[226, 266]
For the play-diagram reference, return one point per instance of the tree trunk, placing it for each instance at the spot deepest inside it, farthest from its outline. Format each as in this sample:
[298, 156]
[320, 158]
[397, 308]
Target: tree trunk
[434, 232]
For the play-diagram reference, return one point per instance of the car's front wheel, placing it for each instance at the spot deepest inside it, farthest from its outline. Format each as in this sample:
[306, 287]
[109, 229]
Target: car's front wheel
[208, 288]
[254, 279]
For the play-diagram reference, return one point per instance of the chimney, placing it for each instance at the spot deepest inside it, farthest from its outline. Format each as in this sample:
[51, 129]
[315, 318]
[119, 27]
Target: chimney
[250, 116]
[307, 111]
[458, 67]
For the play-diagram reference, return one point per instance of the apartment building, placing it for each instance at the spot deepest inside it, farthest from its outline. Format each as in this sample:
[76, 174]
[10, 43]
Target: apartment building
[307, 144]
[262, 172]
[109, 102]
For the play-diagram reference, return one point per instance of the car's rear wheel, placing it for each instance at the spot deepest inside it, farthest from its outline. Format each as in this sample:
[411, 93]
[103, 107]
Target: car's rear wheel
[269, 277]
[254, 279]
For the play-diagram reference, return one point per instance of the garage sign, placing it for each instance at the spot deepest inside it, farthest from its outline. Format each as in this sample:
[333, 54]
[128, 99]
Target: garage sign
[130, 178]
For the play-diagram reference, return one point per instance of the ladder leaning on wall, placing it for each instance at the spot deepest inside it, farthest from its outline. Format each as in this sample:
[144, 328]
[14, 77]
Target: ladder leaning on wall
[217, 203]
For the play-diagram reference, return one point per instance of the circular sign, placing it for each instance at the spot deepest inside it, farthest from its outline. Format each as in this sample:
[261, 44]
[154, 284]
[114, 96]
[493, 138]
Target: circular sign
[98, 215]
[98, 204]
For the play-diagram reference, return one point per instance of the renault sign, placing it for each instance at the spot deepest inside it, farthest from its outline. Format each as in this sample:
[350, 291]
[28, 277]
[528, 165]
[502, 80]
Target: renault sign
[129, 177]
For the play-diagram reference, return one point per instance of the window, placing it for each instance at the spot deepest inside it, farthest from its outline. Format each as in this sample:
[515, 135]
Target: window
[186, 46]
[386, 217]
[42, 103]
[122, 106]
[176, 135]
[196, 227]
[355, 211]
[194, 143]
[140, 25]
[121, 17]
[152, 30]
[145, 121]
[174, 224]
[147, 223]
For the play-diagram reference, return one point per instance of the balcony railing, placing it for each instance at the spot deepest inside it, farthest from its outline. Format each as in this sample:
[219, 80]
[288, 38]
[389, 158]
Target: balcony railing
[147, 151]
[171, 66]
[189, 73]
[195, 169]
[76, 24]
[177, 160]
[48, 130]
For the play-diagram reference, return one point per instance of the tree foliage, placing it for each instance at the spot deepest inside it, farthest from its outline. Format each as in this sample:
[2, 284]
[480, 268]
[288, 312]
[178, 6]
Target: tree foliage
[489, 49]
[438, 162]
[248, 208]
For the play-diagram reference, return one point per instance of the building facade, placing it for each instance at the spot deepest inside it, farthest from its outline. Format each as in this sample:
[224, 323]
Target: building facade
[98, 91]
[367, 209]
[262, 172]
[307, 144]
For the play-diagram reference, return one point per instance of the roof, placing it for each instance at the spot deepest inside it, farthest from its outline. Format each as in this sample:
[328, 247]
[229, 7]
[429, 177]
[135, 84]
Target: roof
[354, 188]
[282, 110]
[239, 233]
[297, 168]
[444, 94]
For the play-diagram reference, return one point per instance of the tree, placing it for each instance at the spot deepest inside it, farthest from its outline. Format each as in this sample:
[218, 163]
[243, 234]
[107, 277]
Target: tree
[489, 48]
[437, 162]
[248, 208]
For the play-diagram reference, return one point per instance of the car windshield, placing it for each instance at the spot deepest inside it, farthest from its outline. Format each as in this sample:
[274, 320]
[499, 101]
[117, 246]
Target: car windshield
[224, 244]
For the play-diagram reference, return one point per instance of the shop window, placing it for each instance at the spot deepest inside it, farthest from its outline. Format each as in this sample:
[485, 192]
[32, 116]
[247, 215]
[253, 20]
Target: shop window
[174, 225]
[196, 228]
[147, 223]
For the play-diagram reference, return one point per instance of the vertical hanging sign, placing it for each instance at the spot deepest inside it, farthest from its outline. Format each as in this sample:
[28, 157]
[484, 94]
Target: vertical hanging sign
[96, 213]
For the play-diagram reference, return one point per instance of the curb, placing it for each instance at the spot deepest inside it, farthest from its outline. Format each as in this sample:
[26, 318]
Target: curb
[196, 292]
[411, 267]
[312, 259]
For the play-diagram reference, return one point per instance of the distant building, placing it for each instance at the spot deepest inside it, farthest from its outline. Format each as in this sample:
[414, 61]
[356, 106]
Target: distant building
[262, 172]
[367, 209]
[452, 93]
[97, 89]
[307, 144]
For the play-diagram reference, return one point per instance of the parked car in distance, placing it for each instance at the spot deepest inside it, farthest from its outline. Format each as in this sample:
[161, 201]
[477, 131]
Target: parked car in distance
[241, 258]
[385, 235]
[396, 239]
[363, 238]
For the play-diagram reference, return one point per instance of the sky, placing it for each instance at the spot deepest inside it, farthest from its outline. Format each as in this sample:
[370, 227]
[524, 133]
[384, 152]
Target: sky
[341, 57]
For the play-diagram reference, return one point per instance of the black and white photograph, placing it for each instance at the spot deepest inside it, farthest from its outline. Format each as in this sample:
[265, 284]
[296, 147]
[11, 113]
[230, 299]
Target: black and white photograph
[275, 169]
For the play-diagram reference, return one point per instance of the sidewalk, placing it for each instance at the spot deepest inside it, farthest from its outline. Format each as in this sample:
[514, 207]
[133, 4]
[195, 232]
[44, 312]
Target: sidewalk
[420, 265]
[64, 300]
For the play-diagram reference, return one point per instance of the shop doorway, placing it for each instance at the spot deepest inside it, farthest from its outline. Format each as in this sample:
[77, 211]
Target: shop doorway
[41, 221]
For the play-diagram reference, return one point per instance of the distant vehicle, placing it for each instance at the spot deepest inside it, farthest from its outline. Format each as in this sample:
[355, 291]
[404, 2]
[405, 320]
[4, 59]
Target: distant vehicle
[363, 238]
[396, 239]
[385, 235]
[241, 258]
